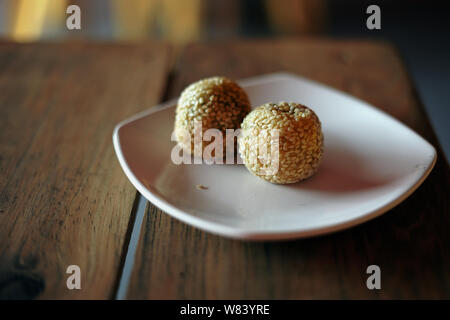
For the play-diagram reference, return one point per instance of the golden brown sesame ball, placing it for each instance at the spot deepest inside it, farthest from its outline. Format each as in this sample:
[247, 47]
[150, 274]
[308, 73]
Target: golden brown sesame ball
[216, 102]
[297, 154]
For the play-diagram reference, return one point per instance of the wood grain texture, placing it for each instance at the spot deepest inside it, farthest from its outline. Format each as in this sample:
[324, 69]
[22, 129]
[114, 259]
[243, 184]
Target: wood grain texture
[411, 243]
[63, 197]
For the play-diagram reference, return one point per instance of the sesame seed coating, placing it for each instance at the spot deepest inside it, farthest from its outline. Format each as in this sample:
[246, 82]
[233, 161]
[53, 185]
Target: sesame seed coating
[216, 102]
[299, 146]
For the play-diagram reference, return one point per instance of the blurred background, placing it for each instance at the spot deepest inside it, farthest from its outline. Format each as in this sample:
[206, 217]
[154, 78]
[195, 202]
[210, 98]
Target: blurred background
[419, 29]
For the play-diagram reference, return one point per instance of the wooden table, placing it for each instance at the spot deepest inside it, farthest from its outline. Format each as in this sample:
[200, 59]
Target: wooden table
[64, 199]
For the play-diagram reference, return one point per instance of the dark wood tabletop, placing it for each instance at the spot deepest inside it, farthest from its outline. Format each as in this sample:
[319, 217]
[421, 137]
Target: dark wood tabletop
[64, 199]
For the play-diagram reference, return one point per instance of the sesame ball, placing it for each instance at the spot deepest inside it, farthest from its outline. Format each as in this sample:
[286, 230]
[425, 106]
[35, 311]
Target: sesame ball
[288, 154]
[216, 102]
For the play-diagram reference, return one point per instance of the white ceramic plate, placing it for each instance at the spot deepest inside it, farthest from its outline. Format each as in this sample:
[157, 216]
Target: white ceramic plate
[371, 163]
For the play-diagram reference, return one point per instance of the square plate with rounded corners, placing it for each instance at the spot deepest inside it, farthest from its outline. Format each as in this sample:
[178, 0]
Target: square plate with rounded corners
[371, 163]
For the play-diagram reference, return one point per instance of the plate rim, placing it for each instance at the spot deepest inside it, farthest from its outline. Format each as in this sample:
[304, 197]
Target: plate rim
[247, 234]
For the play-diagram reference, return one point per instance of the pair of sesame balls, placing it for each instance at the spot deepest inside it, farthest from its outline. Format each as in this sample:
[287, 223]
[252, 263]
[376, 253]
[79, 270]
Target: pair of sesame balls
[279, 142]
